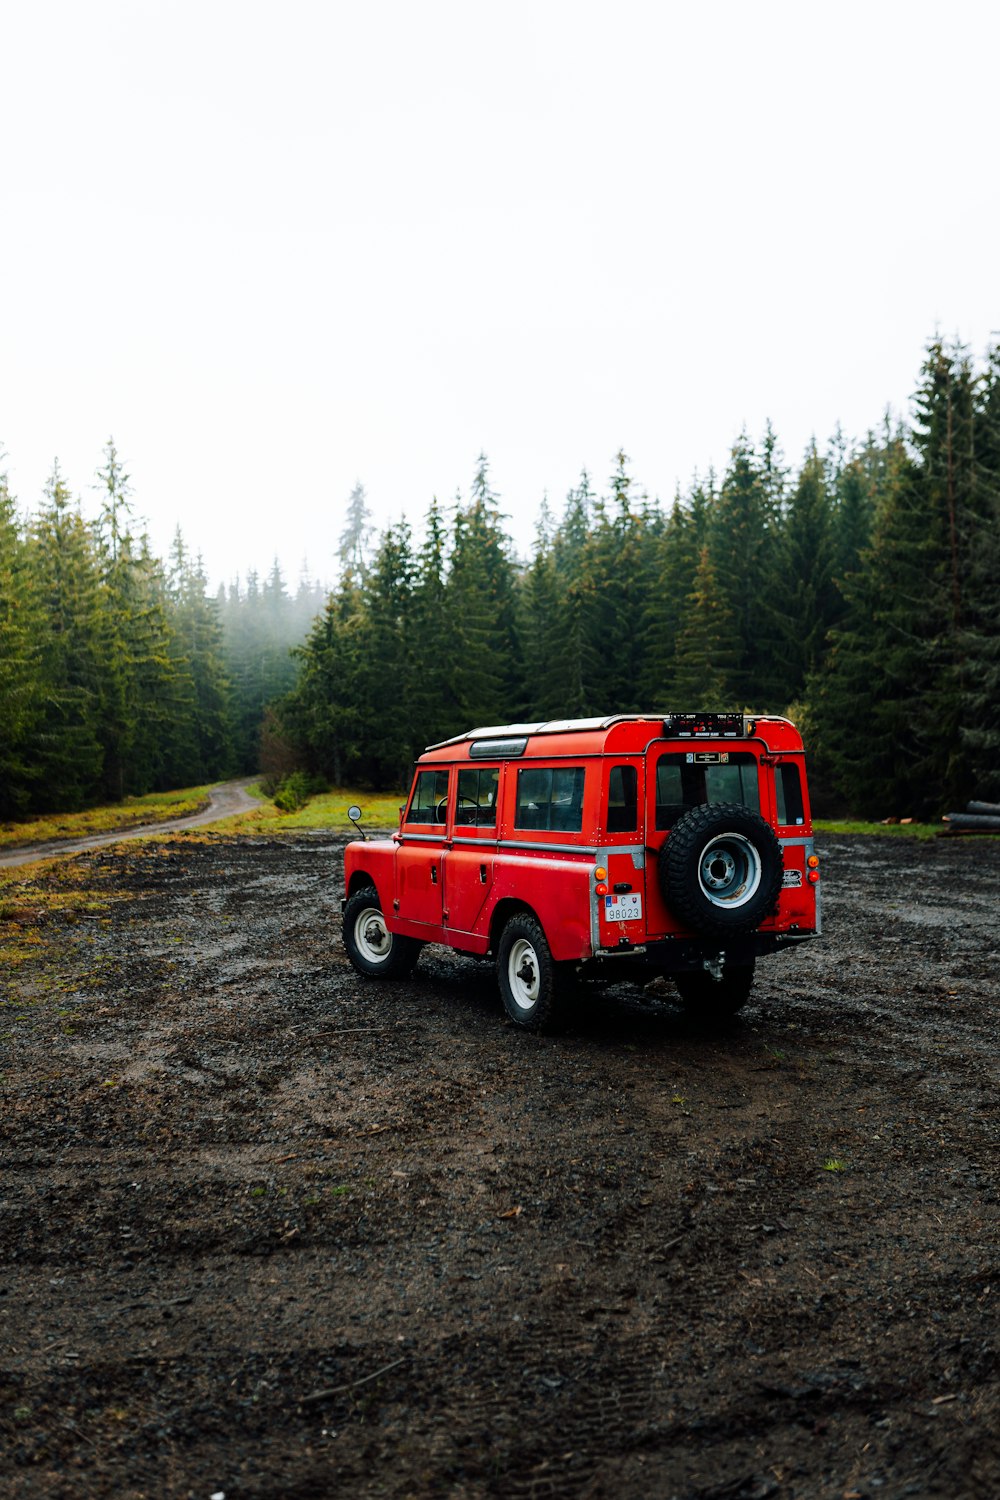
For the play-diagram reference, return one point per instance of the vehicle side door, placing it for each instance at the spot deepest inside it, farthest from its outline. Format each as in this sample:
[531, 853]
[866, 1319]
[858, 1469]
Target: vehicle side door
[419, 882]
[471, 857]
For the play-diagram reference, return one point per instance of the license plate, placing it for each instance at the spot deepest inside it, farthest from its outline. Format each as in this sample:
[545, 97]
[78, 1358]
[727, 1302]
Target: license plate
[623, 908]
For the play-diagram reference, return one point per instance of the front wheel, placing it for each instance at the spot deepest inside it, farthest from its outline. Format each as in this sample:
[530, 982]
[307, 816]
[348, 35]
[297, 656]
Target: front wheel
[371, 947]
[526, 972]
[711, 999]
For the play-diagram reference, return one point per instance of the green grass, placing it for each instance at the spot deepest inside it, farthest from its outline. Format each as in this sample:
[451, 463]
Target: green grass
[380, 811]
[891, 830]
[326, 810]
[158, 807]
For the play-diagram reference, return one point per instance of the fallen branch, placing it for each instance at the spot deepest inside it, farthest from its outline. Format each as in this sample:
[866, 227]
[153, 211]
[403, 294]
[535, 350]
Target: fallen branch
[352, 1385]
[354, 1030]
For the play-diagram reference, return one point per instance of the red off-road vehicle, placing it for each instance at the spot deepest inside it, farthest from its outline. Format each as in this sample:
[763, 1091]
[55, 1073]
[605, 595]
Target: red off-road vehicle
[636, 845]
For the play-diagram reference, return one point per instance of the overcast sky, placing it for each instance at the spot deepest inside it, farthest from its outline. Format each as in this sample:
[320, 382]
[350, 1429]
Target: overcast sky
[274, 249]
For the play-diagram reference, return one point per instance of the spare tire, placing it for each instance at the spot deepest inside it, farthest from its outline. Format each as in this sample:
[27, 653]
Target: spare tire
[721, 869]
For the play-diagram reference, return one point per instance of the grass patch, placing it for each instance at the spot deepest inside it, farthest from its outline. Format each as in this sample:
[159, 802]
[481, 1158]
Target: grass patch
[890, 830]
[54, 896]
[380, 811]
[157, 807]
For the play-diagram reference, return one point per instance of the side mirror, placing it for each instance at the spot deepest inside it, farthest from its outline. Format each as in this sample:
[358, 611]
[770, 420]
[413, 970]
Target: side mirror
[354, 813]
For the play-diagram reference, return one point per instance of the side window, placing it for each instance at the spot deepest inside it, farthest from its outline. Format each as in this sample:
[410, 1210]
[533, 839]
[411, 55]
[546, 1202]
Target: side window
[690, 778]
[430, 796]
[550, 797]
[477, 798]
[788, 786]
[623, 799]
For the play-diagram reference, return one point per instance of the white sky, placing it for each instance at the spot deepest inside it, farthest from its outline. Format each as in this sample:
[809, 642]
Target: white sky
[273, 249]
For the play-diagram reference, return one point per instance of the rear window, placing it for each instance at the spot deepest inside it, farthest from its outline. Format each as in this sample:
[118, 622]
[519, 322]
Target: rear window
[683, 781]
[550, 797]
[477, 798]
[430, 798]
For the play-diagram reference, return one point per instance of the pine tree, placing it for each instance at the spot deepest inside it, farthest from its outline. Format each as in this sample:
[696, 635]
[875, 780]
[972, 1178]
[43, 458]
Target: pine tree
[68, 755]
[385, 706]
[541, 620]
[805, 610]
[979, 635]
[886, 705]
[437, 713]
[486, 657]
[119, 713]
[706, 660]
[204, 743]
[321, 714]
[575, 628]
[355, 538]
[21, 685]
[742, 538]
[674, 555]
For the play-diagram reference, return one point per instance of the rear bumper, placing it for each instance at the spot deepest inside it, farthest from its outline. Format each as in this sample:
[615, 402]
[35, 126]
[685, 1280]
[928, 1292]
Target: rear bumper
[674, 955]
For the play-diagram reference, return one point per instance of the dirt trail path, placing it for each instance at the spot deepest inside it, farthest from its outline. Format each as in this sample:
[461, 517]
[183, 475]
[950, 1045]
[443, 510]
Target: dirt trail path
[226, 799]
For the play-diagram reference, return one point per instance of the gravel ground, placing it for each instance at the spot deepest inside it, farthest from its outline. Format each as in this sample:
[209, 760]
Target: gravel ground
[270, 1230]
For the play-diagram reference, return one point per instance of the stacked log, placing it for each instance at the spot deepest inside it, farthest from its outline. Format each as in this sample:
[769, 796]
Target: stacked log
[979, 817]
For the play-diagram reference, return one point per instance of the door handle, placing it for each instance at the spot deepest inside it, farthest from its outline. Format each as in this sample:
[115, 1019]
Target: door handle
[434, 874]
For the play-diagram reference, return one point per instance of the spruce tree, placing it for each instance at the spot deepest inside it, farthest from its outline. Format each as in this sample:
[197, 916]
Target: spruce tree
[486, 658]
[979, 634]
[541, 620]
[705, 664]
[742, 538]
[803, 612]
[675, 553]
[22, 688]
[68, 755]
[436, 711]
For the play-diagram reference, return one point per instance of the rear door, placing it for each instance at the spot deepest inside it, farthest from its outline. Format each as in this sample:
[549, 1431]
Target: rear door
[679, 779]
[621, 912]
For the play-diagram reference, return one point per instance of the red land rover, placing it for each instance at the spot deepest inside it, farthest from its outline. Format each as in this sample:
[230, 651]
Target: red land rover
[635, 845]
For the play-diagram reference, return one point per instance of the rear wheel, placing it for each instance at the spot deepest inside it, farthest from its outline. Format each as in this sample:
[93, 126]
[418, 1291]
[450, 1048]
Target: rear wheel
[526, 972]
[371, 947]
[714, 999]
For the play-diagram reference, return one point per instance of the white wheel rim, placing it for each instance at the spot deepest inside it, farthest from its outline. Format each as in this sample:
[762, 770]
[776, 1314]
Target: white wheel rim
[729, 870]
[371, 935]
[522, 973]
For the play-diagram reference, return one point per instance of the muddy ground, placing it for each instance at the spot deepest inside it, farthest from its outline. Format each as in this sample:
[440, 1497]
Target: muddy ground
[269, 1230]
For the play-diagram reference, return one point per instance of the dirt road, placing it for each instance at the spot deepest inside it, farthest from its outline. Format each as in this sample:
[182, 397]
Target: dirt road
[224, 800]
[268, 1230]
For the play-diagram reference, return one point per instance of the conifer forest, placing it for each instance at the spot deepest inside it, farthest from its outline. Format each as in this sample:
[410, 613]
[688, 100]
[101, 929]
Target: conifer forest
[857, 591]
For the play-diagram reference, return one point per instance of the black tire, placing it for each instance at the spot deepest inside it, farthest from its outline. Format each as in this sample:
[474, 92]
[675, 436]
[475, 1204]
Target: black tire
[527, 975]
[721, 869]
[371, 947]
[712, 999]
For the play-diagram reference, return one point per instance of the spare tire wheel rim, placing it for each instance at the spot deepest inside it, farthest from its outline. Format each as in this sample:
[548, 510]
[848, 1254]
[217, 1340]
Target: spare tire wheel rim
[729, 870]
